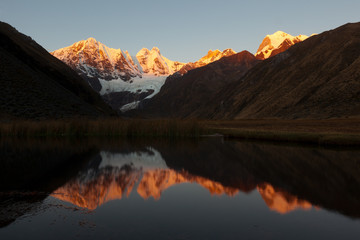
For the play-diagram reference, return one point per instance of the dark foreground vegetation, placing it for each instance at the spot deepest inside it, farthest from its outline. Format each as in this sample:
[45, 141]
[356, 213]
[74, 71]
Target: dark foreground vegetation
[103, 128]
[344, 132]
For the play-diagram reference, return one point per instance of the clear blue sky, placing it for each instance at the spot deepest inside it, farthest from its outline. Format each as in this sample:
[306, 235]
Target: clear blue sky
[184, 30]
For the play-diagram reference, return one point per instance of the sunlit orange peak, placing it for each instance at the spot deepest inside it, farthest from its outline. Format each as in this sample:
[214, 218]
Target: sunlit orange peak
[281, 201]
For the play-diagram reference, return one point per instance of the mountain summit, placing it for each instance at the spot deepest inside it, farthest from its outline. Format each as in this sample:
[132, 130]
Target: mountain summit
[152, 62]
[316, 78]
[210, 57]
[93, 59]
[36, 85]
[124, 80]
[277, 43]
[213, 56]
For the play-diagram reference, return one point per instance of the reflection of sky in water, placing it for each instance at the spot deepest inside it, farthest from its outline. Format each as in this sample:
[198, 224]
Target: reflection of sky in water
[185, 211]
[151, 159]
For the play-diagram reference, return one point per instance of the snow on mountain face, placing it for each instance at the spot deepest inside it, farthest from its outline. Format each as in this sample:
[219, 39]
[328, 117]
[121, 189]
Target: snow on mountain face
[210, 57]
[213, 56]
[124, 80]
[93, 59]
[276, 43]
[112, 72]
[140, 88]
[152, 62]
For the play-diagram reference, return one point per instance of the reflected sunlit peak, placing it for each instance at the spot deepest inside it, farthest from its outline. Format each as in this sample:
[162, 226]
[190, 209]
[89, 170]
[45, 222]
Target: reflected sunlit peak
[280, 201]
[119, 174]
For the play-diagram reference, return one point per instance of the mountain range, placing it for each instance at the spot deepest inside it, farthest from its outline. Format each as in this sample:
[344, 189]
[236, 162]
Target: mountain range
[315, 78]
[288, 77]
[124, 80]
[182, 95]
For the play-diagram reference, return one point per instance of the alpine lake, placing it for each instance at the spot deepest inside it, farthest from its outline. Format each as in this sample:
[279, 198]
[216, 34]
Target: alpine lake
[209, 188]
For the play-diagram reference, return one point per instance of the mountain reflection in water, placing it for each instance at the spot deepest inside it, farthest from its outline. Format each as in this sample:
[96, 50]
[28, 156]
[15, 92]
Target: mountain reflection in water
[116, 175]
[227, 185]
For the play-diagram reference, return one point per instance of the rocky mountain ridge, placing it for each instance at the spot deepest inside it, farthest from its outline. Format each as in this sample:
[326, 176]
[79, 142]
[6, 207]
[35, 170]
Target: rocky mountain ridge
[316, 78]
[183, 95]
[36, 85]
[276, 43]
[124, 80]
[210, 57]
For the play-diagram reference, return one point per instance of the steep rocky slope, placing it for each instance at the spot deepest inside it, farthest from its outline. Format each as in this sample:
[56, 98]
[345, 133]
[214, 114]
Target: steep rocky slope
[316, 78]
[34, 84]
[124, 81]
[121, 79]
[182, 96]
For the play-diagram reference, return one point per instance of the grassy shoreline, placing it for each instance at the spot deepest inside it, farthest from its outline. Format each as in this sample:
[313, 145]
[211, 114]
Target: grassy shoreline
[324, 132]
[102, 128]
[332, 132]
[323, 139]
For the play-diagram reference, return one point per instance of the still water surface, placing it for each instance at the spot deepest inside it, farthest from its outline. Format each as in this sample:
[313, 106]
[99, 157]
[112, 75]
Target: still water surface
[208, 189]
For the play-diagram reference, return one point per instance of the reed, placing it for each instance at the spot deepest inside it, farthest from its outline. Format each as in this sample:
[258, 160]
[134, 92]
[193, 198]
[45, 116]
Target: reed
[318, 138]
[161, 128]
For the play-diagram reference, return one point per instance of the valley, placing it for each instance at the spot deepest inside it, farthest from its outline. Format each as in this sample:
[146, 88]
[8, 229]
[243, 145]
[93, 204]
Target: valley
[287, 86]
[179, 120]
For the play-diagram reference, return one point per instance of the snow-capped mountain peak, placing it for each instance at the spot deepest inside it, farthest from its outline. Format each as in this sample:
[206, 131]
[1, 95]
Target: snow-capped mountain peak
[94, 59]
[278, 37]
[152, 62]
[276, 43]
[213, 56]
[91, 40]
[143, 51]
[155, 49]
[228, 52]
[210, 57]
[124, 80]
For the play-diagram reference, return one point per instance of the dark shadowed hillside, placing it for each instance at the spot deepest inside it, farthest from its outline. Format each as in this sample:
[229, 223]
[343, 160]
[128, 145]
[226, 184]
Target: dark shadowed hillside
[316, 78]
[187, 95]
[36, 85]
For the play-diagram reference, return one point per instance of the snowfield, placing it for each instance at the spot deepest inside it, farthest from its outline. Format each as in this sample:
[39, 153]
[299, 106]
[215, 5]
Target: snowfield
[147, 71]
[135, 85]
[129, 106]
[275, 40]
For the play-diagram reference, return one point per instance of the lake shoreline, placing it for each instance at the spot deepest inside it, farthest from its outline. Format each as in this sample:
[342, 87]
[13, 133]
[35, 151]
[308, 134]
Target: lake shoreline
[322, 139]
[323, 132]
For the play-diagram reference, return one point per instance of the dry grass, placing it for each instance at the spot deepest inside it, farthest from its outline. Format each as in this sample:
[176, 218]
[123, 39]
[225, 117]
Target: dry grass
[335, 139]
[344, 132]
[322, 132]
[102, 128]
